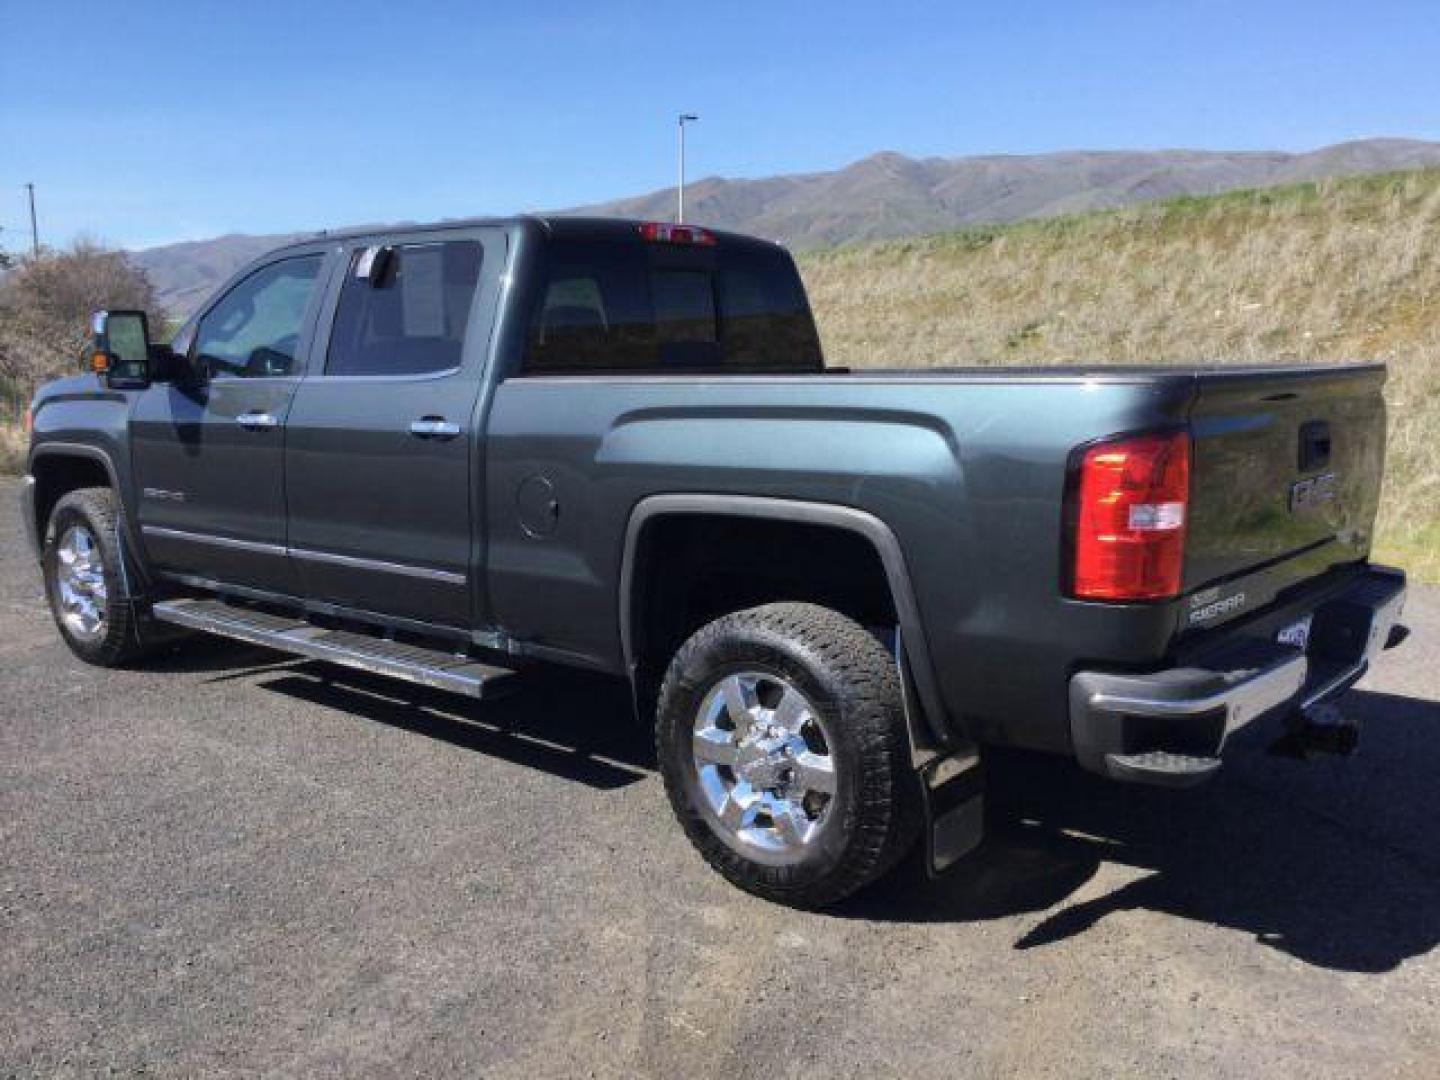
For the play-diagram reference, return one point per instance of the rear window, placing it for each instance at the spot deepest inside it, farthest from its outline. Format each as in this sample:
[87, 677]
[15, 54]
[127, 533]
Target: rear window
[610, 306]
[409, 319]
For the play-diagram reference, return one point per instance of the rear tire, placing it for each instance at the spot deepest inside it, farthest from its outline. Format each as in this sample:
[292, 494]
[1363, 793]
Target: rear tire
[781, 738]
[87, 580]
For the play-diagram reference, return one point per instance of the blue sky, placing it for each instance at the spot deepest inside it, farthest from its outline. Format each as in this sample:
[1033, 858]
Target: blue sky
[143, 123]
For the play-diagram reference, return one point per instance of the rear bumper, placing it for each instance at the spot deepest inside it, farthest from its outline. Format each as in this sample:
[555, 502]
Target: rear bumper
[1169, 727]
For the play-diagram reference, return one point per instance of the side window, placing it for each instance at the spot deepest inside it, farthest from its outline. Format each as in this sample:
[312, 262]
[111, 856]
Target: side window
[254, 330]
[403, 310]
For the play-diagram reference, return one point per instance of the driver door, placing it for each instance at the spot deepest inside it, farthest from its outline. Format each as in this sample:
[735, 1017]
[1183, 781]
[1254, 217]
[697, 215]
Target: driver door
[208, 449]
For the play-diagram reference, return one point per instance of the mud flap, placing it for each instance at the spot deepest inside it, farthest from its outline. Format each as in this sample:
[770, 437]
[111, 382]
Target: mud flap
[952, 795]
[954, 801]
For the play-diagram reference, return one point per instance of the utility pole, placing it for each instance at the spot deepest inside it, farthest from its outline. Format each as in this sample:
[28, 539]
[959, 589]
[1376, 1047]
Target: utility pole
[680, 209]
[34, 230]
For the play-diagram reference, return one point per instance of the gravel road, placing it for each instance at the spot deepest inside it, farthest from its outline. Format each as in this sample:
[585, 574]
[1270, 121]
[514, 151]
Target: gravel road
[228, 862]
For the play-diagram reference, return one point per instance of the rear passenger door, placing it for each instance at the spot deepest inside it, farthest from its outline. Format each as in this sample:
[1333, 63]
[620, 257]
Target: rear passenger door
[382, 459]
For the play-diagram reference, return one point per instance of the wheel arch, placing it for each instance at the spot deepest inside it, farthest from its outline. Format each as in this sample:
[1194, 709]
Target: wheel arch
[58, 468]
[913, 652]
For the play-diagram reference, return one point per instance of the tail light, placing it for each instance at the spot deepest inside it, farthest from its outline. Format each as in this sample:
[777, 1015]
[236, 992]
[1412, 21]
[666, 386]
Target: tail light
[665, 233]
[1129, 510]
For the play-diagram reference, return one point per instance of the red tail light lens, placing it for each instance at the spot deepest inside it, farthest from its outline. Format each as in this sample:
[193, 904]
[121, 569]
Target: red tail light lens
[665, 233]
[1130, 509]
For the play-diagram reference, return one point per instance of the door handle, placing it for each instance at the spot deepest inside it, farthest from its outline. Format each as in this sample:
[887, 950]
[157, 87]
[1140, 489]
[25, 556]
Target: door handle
[434, 427]
[257, 421]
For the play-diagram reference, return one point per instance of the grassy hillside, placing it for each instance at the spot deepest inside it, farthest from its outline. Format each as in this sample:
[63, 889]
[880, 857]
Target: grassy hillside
[891, 195]
[1335, 270]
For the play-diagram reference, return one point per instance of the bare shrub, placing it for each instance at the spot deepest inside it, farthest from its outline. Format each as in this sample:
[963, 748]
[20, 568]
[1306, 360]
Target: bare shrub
[45, 303]
[13, 448]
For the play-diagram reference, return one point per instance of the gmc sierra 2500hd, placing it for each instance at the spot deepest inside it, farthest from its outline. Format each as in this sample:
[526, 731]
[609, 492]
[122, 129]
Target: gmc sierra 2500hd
[451, 453]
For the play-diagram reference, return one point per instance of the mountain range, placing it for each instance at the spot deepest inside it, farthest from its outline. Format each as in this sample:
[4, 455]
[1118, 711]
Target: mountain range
[890, 195]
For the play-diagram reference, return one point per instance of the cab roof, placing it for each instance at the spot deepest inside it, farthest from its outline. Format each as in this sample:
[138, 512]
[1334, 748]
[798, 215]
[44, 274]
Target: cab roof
[556, 225]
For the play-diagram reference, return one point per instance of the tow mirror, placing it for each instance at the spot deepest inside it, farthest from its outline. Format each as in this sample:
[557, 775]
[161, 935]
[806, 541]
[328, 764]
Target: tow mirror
[120, 349]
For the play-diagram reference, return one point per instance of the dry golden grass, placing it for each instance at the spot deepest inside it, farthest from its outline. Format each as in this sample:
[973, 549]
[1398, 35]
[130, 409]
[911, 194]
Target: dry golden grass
[1338, 270]
[14, 444]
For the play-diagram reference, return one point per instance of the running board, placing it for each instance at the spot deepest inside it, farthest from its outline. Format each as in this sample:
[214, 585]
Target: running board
[437, 668]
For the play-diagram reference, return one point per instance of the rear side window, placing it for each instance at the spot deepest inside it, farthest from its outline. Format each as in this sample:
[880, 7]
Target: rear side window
[612, 306]
[403, 309]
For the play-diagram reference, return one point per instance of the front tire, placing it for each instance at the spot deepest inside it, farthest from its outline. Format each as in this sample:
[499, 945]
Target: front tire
[781, 739]
[86, 579]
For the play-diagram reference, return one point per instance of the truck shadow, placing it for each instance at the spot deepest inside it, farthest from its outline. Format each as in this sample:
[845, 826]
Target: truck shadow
[573, 726]
[206, 654]
[1336, 863]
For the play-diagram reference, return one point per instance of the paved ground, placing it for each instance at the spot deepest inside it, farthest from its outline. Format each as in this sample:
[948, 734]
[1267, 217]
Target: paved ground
[226, 863]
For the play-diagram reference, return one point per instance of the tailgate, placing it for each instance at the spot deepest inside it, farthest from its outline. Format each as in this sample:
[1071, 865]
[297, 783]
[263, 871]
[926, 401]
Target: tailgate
[1285, 482]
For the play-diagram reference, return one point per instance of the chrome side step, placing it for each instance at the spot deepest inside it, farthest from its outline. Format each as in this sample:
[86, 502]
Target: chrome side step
[429, 667]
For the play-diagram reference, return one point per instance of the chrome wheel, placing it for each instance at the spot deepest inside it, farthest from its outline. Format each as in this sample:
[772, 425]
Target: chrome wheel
[763, 766]
[80, 583]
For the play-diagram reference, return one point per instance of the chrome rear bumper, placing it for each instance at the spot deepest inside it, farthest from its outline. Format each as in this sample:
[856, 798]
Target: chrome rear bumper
[1169, 727]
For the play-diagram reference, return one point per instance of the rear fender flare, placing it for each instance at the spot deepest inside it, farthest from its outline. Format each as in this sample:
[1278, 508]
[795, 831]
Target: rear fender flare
[914, 657]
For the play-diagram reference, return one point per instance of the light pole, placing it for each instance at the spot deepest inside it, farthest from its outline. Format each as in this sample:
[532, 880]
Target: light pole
[34, 231]
[680, 211]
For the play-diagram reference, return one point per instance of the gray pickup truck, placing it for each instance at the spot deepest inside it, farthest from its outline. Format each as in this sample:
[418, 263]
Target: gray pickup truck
[455, 454]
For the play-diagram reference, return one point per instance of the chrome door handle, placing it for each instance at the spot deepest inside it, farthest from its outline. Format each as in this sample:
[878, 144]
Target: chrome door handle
[434, 427]
[257, 421]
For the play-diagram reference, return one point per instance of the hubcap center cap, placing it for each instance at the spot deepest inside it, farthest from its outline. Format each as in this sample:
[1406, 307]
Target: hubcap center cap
[762, 760]
[761, 772]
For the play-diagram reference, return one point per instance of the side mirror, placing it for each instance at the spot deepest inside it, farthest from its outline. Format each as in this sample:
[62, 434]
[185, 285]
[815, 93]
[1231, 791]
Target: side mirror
[120, 350]
[166, 365]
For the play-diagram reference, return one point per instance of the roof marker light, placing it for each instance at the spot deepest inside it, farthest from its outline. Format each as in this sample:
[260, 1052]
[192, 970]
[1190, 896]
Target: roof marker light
[664, 233]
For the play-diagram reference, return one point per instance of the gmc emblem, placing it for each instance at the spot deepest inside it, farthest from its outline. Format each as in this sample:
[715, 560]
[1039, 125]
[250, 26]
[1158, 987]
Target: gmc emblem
[1312, 493]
